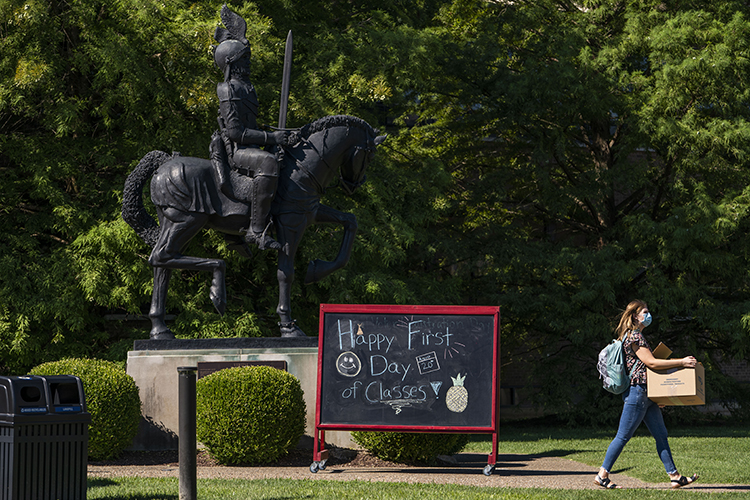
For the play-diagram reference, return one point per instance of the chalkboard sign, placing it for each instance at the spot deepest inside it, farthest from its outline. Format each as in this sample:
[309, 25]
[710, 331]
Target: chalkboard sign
[408, 368]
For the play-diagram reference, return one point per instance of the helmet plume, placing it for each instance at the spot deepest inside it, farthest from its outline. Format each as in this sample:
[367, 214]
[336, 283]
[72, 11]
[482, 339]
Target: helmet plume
[236, 27]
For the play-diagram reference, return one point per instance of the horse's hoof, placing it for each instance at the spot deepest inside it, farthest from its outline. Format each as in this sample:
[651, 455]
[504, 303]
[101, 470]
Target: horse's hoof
[219, 303]
[289, 330]
[293, 332]
[162, 335]
[218, 295]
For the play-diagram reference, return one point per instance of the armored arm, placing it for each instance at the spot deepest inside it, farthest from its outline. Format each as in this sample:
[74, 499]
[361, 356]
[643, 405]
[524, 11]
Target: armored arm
[238, 117]
[245, 136]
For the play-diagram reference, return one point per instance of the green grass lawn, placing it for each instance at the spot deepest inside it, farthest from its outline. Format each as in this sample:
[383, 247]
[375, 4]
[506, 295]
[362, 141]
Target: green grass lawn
[287, 489]
[718, 454]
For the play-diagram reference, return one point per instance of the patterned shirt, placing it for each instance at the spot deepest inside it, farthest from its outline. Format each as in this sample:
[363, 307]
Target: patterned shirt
[635, 337]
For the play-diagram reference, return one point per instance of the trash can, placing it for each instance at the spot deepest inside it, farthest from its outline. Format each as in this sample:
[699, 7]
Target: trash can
[44, 435]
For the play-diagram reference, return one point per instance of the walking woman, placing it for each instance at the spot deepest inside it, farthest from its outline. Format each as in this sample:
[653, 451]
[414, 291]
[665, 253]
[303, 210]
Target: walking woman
[637, 406]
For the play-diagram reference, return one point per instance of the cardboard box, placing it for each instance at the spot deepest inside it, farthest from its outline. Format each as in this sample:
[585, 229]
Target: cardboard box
[676, 386]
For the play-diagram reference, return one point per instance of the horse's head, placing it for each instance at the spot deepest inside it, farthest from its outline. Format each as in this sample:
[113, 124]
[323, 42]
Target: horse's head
[342, 145]
[354, 170]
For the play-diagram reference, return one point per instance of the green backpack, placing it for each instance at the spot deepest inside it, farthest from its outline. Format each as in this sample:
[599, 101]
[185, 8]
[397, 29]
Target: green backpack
[613, 369]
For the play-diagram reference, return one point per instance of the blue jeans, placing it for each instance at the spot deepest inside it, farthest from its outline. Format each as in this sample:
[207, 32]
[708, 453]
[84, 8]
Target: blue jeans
[639, 408]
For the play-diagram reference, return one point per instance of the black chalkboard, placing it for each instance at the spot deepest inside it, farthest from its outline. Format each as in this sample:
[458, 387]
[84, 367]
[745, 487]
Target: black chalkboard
[410, 368]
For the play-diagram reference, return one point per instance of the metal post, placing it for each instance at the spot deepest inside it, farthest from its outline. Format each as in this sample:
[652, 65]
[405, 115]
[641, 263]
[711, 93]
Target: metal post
[188, 454]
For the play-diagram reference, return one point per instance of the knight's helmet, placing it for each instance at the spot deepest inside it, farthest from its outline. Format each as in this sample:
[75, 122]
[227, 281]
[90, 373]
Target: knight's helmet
[232, 42]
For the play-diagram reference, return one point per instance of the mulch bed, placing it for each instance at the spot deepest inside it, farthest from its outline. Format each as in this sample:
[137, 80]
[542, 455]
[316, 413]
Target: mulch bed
[343, 457]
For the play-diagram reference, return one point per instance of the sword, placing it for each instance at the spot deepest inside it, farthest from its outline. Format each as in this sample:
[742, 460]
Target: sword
[286, 81]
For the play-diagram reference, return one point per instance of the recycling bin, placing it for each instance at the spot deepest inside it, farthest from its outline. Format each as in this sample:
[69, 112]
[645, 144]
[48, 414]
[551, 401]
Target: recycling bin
[44, 434]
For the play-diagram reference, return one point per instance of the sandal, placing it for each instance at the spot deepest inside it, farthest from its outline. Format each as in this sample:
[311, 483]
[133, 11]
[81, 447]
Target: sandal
[684, 481]
[604, 482]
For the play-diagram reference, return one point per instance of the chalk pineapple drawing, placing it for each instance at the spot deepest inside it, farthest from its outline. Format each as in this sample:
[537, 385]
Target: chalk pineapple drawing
[457, 396]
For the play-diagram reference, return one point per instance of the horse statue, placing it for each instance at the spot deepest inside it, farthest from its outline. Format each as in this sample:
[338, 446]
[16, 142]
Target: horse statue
[187, 197]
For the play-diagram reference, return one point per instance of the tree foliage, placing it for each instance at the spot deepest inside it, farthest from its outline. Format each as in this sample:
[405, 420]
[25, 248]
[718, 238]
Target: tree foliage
[603, 157]
[556, 158]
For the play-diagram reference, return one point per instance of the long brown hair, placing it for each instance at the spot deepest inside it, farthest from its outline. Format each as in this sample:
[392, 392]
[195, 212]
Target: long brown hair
[626, 318]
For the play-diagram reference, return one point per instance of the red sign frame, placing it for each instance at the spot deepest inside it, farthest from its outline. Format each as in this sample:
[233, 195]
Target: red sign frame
[320, 454]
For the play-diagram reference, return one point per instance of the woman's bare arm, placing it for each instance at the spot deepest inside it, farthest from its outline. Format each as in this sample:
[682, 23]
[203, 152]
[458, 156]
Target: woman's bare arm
[645, 355]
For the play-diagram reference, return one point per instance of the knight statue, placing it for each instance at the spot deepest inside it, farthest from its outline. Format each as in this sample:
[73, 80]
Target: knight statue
[235, 191]
[239, 143]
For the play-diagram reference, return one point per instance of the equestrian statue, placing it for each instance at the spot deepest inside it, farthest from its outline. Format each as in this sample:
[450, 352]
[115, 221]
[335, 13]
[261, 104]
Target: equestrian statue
[255, 182]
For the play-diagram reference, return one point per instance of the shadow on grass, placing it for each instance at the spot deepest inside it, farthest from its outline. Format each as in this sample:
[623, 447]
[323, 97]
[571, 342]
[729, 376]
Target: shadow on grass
[521, 457]
[507, 465]
[512, 433]
[725, 431]
[100, 482]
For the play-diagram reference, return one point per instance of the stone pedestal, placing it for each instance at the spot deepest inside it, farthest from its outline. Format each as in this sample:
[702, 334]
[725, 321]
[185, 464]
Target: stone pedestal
[153, 365]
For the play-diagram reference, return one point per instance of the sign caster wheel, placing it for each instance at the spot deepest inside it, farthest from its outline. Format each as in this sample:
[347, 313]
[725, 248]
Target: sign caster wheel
[322, 464]
[314, 467]
[488, 470]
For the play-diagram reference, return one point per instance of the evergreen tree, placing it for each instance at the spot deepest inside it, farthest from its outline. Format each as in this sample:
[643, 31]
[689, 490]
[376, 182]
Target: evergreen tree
[555, 158]
[88, 88]
[599, 155]
[85, 89]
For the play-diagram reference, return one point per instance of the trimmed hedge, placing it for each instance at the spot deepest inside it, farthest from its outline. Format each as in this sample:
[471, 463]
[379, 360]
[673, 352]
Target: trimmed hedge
[410, 448]
[111, 398]
[249, 414]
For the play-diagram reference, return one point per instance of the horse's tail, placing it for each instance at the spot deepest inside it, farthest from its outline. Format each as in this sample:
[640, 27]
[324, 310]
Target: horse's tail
[133, 211]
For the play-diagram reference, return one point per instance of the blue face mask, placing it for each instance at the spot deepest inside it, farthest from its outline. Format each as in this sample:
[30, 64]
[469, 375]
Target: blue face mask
[646, 320]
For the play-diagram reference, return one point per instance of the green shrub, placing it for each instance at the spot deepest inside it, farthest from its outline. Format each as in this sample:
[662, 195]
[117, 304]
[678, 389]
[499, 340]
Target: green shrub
[111, 398]
[250, 414]
[409, 447]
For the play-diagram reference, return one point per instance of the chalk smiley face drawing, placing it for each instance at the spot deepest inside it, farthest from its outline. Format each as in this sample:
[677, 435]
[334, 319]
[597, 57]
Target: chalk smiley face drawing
[348, 364]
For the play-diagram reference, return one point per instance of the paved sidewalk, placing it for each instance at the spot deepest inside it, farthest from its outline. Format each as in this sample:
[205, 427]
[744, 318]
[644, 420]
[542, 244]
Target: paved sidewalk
[513, 471]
